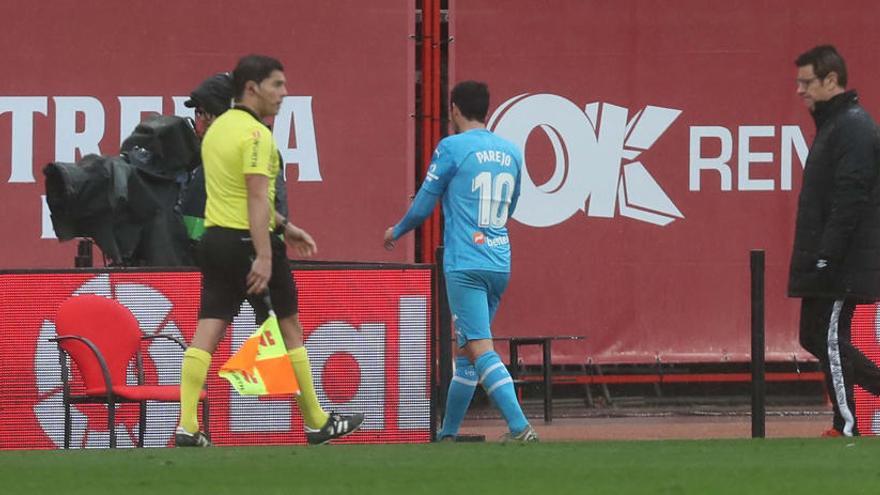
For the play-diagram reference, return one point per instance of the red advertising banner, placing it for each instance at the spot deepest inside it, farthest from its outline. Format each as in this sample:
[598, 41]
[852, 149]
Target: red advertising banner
[368, 333]
[85, 73]
[866, 336]
[663, 141]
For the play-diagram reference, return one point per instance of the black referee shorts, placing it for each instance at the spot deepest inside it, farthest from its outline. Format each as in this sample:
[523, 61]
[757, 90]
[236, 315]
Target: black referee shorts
[226, 256]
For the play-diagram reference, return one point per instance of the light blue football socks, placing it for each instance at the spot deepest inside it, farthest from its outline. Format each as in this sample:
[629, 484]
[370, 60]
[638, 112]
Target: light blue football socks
[499, 387]
[461, 391]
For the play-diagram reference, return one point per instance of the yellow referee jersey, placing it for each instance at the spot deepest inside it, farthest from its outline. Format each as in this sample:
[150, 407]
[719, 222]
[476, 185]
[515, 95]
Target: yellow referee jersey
[236, 144]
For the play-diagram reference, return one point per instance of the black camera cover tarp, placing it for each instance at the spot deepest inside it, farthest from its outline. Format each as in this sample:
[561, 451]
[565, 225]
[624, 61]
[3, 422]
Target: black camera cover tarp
[128, 203]
[171, 141]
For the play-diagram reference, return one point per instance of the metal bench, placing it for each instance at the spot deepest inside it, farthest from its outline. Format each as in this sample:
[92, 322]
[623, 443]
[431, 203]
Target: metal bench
[546, 343]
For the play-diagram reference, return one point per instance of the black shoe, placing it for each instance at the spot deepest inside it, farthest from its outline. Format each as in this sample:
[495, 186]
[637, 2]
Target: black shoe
[337, 426]
[183, 438]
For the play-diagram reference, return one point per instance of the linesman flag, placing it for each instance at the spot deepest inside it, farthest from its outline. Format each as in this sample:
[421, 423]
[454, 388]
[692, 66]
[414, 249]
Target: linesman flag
[262, 366]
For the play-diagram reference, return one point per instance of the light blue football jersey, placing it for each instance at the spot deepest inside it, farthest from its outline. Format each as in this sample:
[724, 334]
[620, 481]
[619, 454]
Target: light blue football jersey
[477, 174]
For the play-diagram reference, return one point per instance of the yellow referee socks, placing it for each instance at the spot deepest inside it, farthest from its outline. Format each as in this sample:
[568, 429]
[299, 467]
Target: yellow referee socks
[192, 378]
[313, 416]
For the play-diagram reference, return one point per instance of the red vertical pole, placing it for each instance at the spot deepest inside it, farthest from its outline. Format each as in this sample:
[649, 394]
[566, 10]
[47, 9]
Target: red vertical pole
[430, 114]
[436, 229]
[426, 255]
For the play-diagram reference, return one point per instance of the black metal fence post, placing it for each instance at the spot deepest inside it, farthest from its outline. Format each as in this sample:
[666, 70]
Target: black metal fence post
[444, 335]
[757, 364]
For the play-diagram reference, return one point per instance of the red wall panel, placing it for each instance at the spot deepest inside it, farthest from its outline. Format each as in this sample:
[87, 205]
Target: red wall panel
[349, 65]
[624, 109]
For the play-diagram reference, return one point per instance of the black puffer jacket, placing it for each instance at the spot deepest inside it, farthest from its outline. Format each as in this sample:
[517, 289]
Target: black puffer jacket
[838, 215]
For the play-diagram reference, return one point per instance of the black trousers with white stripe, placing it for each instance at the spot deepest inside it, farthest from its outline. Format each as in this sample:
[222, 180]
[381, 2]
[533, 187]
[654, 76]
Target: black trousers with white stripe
[825, 333]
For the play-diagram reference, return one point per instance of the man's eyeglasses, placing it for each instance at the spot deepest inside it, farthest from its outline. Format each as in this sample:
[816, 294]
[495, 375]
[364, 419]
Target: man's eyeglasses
[805, 83]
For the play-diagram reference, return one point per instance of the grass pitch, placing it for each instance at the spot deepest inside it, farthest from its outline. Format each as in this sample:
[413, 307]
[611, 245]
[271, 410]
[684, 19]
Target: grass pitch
[740, 467]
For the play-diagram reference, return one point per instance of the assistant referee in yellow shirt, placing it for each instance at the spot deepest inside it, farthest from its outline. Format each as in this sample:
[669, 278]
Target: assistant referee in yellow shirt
[239, 255]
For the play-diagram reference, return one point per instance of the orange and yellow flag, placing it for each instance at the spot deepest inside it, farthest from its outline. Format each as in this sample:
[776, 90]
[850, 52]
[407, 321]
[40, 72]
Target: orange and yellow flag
[262, 366]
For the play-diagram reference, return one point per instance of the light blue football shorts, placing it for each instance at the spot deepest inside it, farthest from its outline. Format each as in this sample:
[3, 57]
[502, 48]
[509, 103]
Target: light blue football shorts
[473, 299]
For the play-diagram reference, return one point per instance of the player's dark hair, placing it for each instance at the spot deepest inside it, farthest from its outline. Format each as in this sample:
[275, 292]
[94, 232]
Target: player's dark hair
[472, 99]
[825, 60]
[253, 68]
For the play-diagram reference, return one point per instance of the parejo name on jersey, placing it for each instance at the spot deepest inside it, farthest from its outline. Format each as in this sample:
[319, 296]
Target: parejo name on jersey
[494, 156]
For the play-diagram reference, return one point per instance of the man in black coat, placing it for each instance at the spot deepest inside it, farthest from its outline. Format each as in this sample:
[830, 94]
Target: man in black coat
[835, 261]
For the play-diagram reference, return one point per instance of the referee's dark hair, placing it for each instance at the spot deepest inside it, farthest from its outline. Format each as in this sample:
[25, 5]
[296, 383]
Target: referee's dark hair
[825, 59]
[472, 99]
[253, 68]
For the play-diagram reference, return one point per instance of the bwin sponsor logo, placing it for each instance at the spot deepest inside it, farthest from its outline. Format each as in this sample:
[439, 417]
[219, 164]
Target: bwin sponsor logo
[589, 159]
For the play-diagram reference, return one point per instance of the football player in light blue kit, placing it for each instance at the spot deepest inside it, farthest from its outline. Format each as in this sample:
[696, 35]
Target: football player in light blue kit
[477, 176]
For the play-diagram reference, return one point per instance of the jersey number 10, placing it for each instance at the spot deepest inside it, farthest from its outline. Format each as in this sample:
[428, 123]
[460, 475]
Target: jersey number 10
[495, 196]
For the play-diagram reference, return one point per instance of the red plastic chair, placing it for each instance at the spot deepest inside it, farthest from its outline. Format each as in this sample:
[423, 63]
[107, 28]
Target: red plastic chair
[102, 337]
